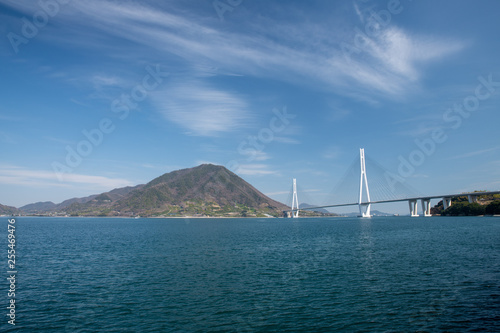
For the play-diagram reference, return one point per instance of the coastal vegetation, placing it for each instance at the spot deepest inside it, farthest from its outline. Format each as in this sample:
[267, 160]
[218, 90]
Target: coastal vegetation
[485, 205]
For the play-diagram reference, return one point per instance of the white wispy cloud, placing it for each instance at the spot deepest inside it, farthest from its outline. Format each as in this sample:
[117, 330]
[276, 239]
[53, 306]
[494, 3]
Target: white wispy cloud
[390, 62]
[14, 175]
[260, 156]
[332, 152]
[255, 170]
[474, 153]
[102, 80]
[200, 109]
[420, 130]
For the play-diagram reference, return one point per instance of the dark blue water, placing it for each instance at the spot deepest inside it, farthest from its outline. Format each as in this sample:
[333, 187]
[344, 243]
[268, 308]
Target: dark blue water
[392, 274]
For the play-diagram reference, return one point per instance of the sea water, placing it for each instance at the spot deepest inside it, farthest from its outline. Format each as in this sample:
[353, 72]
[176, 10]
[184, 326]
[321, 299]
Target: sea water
[382, 274]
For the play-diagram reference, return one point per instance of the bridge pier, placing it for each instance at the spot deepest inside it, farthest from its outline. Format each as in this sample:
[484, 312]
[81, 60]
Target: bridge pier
[413, 204]
[472, 198]
[446, 203]
[364, 210]
[426, 206]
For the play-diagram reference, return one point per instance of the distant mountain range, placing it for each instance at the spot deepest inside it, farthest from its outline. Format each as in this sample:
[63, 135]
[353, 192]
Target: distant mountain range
[326, 212]
[372, 212]
[205, 190]
[317, 211]
[49, 206]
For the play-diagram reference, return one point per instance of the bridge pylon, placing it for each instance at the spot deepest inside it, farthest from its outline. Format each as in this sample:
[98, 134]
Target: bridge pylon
[364, 208]
[295, 200]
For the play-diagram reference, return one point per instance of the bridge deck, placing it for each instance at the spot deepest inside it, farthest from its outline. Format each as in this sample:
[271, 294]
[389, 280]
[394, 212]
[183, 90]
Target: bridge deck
[399, 200]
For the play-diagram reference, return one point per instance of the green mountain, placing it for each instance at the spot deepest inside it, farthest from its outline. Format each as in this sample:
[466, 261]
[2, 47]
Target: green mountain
[208, 189]
[205, 190]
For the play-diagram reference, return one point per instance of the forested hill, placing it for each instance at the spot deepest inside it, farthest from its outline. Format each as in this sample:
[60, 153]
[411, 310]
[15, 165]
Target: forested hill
[485, 205]
[205, 190]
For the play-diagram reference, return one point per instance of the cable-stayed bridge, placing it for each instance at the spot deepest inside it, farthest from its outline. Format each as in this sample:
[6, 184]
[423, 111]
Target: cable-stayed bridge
[386, 187]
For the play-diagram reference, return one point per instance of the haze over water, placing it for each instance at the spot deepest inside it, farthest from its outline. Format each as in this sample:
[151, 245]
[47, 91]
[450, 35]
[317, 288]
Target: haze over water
[245, 275]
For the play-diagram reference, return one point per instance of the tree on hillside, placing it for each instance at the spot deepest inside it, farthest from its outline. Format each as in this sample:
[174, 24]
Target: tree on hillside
[475, 209]
[438, 209]
[464, 209]
[493, 208]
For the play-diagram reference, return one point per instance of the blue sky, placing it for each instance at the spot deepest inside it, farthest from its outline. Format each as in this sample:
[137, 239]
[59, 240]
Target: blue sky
[100, 94]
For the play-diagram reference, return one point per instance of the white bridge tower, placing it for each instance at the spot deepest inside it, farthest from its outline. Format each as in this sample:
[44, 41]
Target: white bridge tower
[364, 208]
[295, 200]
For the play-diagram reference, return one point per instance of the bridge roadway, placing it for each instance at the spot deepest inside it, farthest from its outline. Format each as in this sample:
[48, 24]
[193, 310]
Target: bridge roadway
[472, 197]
